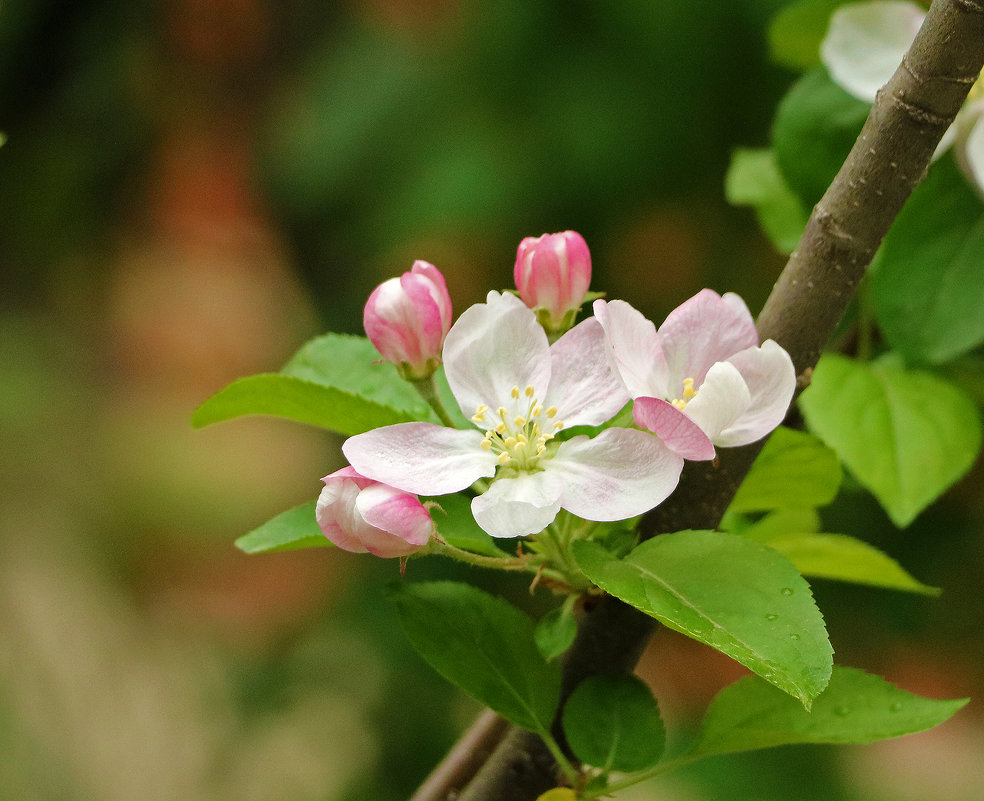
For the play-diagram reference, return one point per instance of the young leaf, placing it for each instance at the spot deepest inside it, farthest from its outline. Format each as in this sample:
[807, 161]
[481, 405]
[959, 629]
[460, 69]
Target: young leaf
[905, 435]
[298, 400]
[456, 525]
[613, 723]
[555, 632]
[926, 285]
[794, 470]
[736, 595]
[856, 708]
[753, 179]
[295, 528]
[783, 521]
[483, 645]
[844, 558]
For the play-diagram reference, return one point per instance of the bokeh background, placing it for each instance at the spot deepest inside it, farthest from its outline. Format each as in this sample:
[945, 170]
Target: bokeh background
[191, 188]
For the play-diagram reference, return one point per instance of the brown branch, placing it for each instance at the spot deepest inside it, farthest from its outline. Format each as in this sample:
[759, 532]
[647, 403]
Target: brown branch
[889, 159]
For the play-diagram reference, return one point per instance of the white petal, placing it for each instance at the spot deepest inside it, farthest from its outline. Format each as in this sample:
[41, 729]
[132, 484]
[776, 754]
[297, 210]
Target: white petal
[493, 347]
[971, 154]
[702, 331]
[420, 457]
[583, 385]
[721, 400]
[515, 507]
[619, 474]
[865, 43]
[634, 348]
[681, 434]
[769, 374]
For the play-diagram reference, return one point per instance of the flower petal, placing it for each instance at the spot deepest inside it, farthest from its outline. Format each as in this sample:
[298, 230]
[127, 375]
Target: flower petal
[493, 347]
[583, 384]
[769, 374]
[701, 331]
[681, 434]
[420, 457]
[619, 474]
[336, 514]
[971, 154]
[865, 43]
[515, 507]
[634, 348]
[402, 524]
[721, 401]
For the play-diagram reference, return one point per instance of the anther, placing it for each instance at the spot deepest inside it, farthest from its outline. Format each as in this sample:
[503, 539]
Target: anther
[529, 391]
[519, 421]
[536, 411]
[552, 411]
[514, 392]
[504, 458]
[510, 442]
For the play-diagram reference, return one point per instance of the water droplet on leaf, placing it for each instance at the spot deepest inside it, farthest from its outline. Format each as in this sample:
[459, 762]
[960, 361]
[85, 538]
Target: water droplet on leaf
[842, 711]
[786, 591]
[896, 707]
[794, 636]
[772, 617]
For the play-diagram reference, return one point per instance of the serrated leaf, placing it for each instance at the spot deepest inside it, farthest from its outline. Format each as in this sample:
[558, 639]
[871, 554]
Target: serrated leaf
[843, 558]
[796, 31]
[456, 525]
[555, 632]
[353, 365]
[815, 128]
[926, 285]
[613, 723]
[483, 645]
[794, 470]
[299, 400]
[856, 708]
[733, 594]
[753, 179]
[295, 528]
[781, 522]
[905, 435]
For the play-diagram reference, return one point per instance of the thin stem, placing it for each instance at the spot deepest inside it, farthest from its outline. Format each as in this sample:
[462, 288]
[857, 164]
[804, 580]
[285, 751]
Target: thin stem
[440, 548]
[427, 388]
[635, 778]
[569, 771]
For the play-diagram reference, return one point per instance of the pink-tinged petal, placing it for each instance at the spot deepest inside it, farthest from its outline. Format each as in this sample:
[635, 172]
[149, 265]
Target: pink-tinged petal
[553, 271]
[429, 317]
[681, 434]
[420, 457]
[401, 523]
[336, 514]
[865, 43]
[493, 347]
[583, 385]
[769, 374]
[438, 290]
[634, 348]
[516, 507]
[721, 400]
[619, 474]
[701, 331]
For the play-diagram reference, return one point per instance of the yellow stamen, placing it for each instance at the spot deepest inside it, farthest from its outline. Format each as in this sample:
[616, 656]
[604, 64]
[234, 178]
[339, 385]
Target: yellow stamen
[504, 458]
[536, 411]
[529, 391]
[552, 411]
[519, 421]
[514, 392]
[510, 442]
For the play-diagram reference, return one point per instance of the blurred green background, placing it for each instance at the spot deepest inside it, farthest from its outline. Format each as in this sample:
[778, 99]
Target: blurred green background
[190, 189]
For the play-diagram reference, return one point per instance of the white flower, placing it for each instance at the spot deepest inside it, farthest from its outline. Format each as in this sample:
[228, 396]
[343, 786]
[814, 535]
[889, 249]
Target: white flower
[521, 393]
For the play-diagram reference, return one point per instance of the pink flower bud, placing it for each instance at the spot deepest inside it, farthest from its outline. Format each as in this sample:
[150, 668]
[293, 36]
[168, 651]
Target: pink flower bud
[553, 273]
[408, 317]
[362, 515]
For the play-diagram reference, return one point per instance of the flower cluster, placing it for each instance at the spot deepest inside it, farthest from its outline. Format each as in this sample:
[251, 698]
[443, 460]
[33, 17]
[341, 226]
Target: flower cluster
[701, 380]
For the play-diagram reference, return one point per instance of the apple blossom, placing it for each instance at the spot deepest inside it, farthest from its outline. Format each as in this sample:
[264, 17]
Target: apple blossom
[702, 379]
[865, 44]
[407, 319]
[521, 392]
[360, 515]
[552, 274]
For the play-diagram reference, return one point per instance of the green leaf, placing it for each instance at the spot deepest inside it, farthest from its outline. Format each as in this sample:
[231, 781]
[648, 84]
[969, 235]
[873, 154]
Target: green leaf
[728, 592]
[794, 470]
[796, 31]
[613, 723]
[555, 632]
[295, 528]
[483, 645]
[753, 179]
[815, 128]
[457, 525]
[926, 285]
[905, 435]
[781, 522]
[856, 708]
[298, 400]
[843, 558]
[353, 365]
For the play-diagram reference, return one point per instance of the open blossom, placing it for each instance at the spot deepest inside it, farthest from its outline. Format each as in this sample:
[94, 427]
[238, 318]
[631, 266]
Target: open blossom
[407, 319]
[552, 274]
[521, 392]
[864, 46]
[360, 515]
[702, 379]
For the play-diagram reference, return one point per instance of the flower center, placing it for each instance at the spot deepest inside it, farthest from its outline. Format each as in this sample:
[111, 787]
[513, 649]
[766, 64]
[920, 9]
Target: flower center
[518, 438]
[689, 393]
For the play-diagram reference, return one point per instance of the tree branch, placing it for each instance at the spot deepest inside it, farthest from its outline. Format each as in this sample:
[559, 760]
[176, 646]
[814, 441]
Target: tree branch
[889, 159]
